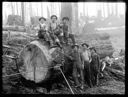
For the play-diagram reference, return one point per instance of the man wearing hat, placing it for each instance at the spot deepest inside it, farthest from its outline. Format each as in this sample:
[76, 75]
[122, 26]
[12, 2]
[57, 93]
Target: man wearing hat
[86, 59]
[43, 33]
[77, 66]
[53, 29]
[95, 66]
[66, 30]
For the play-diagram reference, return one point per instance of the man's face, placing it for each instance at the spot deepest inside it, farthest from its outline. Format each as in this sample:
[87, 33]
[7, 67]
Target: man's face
[84, 46]
[53, 19]
[42, 21]
[65, 21]
[92, 51]
[75, 48]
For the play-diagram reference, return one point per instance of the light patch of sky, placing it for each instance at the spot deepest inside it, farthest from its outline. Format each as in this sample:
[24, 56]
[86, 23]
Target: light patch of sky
[36, 8]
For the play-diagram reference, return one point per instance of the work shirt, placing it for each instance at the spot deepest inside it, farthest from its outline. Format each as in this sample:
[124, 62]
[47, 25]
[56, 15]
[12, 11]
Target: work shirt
[76, 57]
[53, 26]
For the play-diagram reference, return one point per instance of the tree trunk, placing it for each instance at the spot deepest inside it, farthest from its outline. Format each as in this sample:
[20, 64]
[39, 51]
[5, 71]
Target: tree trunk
[12, 8]
[42, 9]
[30, 10]
[116, 9]
[48, 13]
[22, 10]
[76, 17]
[103, 10]
[83, 9]
[66, 11]
[108, 9]
[17, 8]
[87, 10]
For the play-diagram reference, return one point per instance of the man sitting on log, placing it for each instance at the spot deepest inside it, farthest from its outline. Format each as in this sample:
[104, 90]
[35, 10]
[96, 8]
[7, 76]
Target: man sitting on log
[95, 66]
[43, 33]
[86, 59]
[77, 66]
[66, 30]
[54, 29]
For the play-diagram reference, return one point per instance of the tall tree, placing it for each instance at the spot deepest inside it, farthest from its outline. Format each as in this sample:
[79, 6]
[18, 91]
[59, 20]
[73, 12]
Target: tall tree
[12, 7]
[76, 16]
[48, 13]
[83, 9]
[30, 10]
[42, 9]
[104, 10]
[116, 9]
[66, 11]
[22, 10]
[108, 9]
[17, 8]
[87, 9]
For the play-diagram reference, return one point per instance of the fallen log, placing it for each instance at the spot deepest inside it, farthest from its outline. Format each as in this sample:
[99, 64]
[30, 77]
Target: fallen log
[14, 28]
[36, 61]
[116, 73]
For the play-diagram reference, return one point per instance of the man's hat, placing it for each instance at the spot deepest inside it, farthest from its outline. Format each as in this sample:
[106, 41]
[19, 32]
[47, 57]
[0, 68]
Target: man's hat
[75, 45]
[42, 18]
[53, 16]
[65, 18]
[93, 48]
[84, 44]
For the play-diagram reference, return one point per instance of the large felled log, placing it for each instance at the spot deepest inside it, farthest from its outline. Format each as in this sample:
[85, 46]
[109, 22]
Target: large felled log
[14, 28]
[116, 73]
[35, 61]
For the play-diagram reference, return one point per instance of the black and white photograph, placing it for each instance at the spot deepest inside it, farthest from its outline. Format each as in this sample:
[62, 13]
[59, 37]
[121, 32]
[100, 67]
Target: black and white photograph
[63, 47]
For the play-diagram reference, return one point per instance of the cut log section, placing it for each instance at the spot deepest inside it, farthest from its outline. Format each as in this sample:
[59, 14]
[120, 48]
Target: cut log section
[36, 59]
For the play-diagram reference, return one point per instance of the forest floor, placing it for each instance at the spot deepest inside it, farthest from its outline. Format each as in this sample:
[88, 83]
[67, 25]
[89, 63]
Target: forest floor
[105, 42]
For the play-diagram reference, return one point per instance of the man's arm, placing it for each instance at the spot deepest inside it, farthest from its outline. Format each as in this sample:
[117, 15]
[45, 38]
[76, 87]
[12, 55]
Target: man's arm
[82, 60]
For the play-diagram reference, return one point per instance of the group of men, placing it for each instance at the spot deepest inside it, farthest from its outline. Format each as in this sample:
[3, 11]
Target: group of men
[86, 61]
[54, 32]
[86, 65]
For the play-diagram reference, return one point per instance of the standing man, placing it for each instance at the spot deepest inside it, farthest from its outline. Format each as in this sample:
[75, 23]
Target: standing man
[77, 66]
[95, 66]
[54, 29]
[86, 59]
[66, 30]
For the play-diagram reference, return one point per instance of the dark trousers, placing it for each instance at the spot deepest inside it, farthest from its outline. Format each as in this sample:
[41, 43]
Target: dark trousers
[95, 73]
[77, 69]
[68, 35]
[87, 73]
